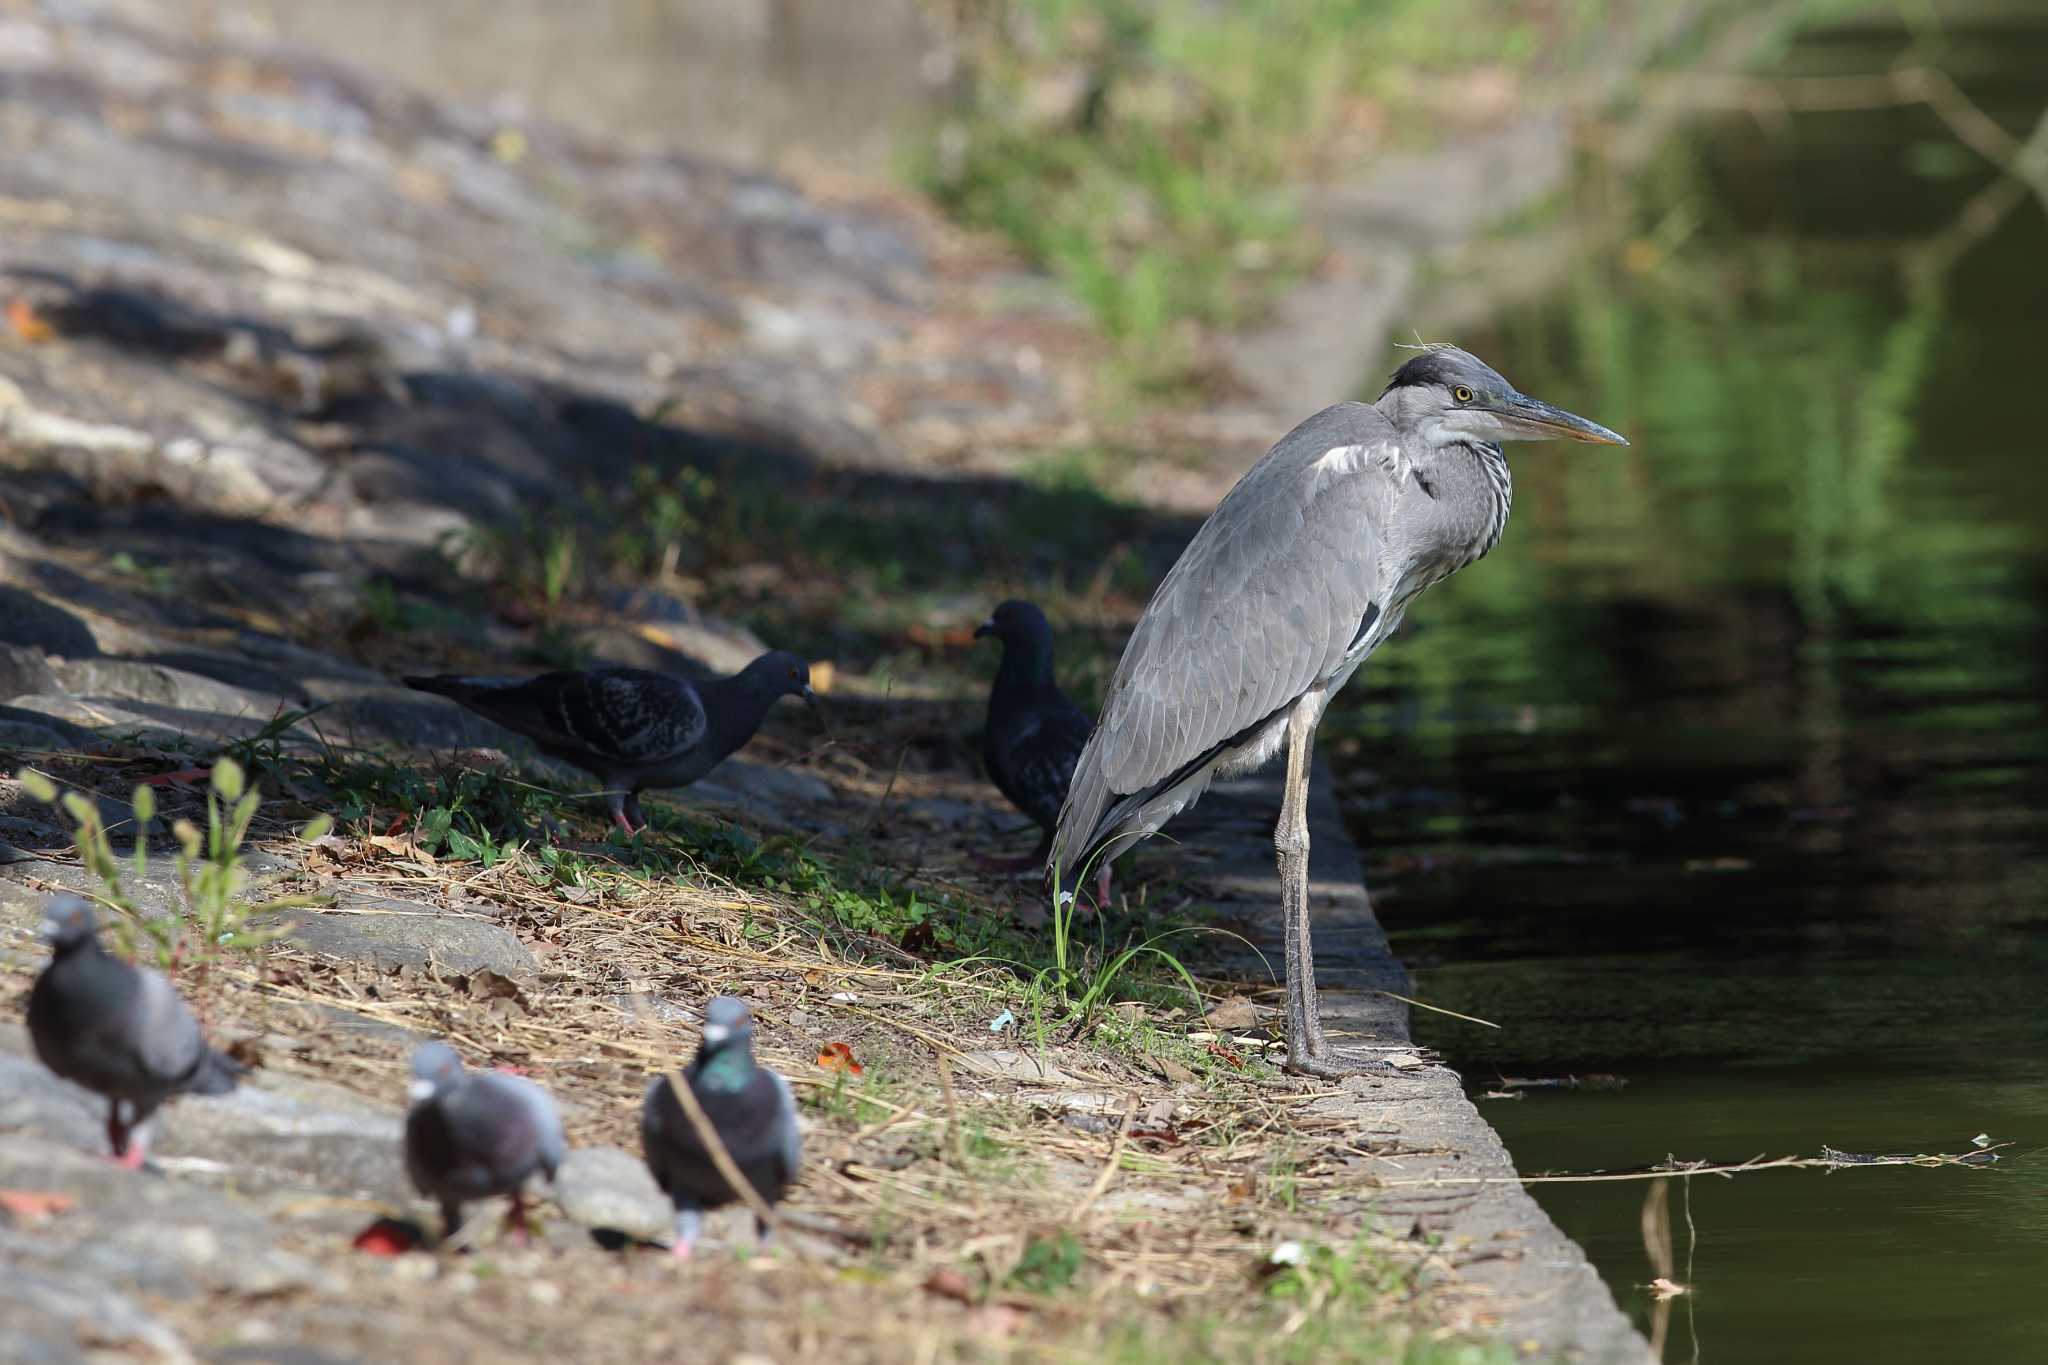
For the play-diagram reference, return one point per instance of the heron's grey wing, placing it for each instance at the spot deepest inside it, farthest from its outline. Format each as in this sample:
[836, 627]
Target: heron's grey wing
[627, 714]
[1266, 601]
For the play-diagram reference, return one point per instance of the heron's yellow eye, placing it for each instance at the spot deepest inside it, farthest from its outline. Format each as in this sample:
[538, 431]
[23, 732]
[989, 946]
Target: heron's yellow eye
[1462, 394]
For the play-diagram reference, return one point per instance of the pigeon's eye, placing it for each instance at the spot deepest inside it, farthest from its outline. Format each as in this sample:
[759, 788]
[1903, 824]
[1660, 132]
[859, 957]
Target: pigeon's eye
[1462, 394]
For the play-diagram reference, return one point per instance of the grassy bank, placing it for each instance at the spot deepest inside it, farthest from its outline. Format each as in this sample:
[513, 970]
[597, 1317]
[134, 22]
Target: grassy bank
[1150, 153]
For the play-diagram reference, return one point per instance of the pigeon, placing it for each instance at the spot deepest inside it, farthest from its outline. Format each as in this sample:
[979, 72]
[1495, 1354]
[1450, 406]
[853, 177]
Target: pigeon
[471, 1136]
[750, 1108]
[630, 728]
[117, 1029]
[1035, 733]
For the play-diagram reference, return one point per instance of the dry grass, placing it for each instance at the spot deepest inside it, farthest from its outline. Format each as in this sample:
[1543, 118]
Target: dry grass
[945, 1211]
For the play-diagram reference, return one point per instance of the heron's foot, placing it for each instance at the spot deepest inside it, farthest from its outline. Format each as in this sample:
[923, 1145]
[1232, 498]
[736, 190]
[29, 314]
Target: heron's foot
[1326, 1063]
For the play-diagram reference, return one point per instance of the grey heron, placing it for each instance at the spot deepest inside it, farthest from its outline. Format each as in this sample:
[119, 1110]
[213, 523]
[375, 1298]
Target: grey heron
[1302, 571]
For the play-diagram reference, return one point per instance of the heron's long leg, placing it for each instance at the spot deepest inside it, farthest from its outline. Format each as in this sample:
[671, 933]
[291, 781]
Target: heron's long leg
[1306, 1049]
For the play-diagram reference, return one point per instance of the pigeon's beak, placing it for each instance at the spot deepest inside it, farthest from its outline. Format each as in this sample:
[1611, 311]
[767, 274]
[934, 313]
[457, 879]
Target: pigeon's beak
[716, 1034]
[421, 1091]
[47, 931]
[987, 627]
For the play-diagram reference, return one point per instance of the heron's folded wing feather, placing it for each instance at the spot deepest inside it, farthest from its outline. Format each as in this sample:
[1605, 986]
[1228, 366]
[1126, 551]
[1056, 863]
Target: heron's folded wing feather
[1262, 605]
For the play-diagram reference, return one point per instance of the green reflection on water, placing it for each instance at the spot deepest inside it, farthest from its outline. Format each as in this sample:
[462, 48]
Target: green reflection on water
[1729, 772]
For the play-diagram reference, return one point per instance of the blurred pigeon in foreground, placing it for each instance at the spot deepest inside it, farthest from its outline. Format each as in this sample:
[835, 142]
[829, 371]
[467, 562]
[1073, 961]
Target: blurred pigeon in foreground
[750, 1108]
[1035, 733]
[473, 1136]
[117, 1029]
[630, 728]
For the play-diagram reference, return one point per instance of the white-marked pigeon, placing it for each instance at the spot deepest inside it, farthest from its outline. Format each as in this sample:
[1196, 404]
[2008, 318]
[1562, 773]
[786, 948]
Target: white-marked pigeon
[1035, 733]
[750, 1108]
[117, 1029]
[630, 728]
[475, 1135]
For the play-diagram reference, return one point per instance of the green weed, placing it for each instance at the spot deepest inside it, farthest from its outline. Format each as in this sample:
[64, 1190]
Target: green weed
[210, 873]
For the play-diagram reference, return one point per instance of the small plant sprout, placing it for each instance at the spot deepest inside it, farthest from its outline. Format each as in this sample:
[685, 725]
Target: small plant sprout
[210, 874]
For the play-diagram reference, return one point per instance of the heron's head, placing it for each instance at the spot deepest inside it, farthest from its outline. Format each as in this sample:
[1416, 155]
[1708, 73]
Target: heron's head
[68, 923]
[727, 1020]
[435, 1067]
[1446, 395]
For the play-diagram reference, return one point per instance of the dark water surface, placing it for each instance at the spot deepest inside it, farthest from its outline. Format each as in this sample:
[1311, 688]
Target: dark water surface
[1728, 773]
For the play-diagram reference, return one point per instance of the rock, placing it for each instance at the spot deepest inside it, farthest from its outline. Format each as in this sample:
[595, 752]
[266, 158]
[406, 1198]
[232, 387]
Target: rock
[54, 1318]
[604, 1188]
[134, 680]
[20, 736]
[30, 622]
[74, 736]
[738, 781]
[1011, 1065]
[390, 933]
[24, 668]
[141, 1231]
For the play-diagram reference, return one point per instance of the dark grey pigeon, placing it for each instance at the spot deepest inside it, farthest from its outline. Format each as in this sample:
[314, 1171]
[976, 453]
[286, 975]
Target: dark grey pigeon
[118, 1030]
[750, 1108]
[474, 1135]
[1035, 733]
[630, 728]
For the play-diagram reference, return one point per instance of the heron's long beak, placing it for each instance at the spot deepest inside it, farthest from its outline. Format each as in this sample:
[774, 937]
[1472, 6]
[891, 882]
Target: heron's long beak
[1532, 419]
[817, 709]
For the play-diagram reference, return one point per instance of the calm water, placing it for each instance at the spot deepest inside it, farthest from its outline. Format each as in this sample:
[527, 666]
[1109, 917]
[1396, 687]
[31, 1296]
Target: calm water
[1729, 772]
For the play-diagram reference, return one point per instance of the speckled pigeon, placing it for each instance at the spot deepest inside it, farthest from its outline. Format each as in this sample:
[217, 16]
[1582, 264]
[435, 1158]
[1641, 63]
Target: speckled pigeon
[117, 1029]
[475, 1135]
[630, 728]
[1035, 733]
[749, 1106]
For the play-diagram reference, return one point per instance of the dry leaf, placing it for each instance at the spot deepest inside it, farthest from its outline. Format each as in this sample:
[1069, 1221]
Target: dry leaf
[1233, 1014]
[1662, 1289]
[838, 1057]
[385, 1237]
[485, 984]
[1405, 1061]
[21, 314]
[1169, 1068]
[1235, 1059]
[948, 1283]
[34, 1207]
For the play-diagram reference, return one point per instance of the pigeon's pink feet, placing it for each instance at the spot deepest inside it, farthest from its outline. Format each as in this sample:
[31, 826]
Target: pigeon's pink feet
[124, 1145]
[679, 1250]
[515, 1223]
[619, 819]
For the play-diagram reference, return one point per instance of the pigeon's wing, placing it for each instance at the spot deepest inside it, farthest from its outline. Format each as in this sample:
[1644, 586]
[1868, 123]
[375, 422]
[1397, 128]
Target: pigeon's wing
[162, 1036]
[1267, 600]
[1033, 758]
[547, 1120]
[502, 1124]
[622, 715]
